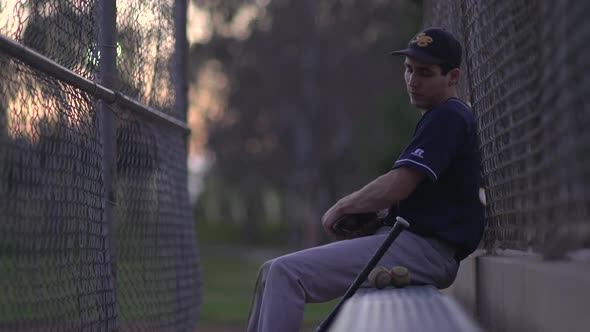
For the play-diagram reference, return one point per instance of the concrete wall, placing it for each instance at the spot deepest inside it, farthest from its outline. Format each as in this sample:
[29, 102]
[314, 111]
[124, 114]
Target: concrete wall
[524, 293]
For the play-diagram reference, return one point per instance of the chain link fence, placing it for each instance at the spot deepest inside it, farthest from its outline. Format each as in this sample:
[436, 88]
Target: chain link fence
[64, 266]
[526, 65]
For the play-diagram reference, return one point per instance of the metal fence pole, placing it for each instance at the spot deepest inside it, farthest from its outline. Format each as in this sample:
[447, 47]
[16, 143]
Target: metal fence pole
[179, 79]
[108, 78]
[181, 54]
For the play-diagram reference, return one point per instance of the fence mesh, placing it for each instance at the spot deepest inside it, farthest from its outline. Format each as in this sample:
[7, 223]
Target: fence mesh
[146, 31]
[525, 63]
[56, 271]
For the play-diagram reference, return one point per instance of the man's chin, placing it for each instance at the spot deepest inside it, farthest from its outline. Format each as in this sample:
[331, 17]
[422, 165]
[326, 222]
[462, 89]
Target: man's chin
[419, 105]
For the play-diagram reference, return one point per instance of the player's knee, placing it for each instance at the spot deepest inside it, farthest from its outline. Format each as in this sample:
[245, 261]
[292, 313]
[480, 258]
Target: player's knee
[264, 268]
[266, 265]
[281, 266]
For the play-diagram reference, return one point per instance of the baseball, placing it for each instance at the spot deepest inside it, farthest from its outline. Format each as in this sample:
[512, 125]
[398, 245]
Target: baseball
[482, 197]
[379, 277]
[400, 276]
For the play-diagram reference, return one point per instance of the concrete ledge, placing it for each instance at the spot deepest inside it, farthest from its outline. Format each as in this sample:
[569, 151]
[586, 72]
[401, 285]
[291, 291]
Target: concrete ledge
[464, 289]
[409, 309]
[524, 293]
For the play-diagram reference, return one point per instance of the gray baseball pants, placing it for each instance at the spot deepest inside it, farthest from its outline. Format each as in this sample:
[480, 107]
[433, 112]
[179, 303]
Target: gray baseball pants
[324, 273]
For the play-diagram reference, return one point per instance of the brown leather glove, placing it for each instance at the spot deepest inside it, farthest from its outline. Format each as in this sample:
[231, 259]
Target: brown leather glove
[357, 225]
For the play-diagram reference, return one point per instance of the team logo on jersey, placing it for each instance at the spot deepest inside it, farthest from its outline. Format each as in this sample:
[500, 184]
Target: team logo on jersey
[418, 153]
[423, 40]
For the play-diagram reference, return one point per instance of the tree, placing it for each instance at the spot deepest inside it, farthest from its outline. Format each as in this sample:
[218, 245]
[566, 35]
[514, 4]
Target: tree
[302, 86]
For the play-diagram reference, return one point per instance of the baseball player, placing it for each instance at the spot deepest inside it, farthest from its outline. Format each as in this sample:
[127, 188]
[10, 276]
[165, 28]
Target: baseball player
[434, 184]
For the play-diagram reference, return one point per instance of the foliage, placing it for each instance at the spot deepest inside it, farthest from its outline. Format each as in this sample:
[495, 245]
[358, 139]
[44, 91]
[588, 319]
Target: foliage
[313, 105]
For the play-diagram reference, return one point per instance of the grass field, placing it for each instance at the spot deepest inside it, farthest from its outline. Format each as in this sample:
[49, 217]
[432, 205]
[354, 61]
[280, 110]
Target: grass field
[228, 283]
[42, 290]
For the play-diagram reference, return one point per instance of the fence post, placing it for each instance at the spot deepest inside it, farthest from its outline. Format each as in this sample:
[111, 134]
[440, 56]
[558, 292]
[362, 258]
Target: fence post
[181, 63]
[108, 78]
[179, 79]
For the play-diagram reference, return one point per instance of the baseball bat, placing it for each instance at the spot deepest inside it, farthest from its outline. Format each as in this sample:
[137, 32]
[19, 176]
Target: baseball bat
[398, 227]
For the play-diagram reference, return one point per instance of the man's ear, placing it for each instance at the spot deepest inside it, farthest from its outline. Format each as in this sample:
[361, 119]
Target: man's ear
[454, 75]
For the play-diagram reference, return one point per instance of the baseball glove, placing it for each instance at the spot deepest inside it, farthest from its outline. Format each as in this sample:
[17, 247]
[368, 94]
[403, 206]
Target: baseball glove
[357, 225]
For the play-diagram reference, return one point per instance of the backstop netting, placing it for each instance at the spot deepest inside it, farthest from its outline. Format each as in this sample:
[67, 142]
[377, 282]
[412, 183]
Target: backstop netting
[56, 269]
[525, 65]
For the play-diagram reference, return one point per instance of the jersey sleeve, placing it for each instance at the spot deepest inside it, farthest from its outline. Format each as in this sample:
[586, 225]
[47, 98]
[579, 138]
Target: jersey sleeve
[436, 143]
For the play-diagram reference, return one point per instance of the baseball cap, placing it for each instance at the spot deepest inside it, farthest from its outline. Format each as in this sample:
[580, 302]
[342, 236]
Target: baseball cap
[434, 45]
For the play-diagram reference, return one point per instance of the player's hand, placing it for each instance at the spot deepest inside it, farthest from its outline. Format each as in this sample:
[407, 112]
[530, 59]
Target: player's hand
[330, 218]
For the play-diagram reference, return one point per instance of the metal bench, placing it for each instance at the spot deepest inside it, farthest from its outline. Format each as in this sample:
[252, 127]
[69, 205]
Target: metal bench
[409, 309]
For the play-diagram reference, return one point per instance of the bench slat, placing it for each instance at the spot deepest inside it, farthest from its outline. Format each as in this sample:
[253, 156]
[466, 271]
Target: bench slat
[409, 309]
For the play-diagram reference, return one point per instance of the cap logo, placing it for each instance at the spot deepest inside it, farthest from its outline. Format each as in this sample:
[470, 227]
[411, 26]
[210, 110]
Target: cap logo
[422, 39]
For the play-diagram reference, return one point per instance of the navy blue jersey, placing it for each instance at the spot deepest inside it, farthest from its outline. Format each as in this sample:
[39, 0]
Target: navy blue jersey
[446, 206]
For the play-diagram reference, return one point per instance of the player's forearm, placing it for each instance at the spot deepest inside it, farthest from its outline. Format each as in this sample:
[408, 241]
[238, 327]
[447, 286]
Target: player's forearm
[382, 192]
[375, 196]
